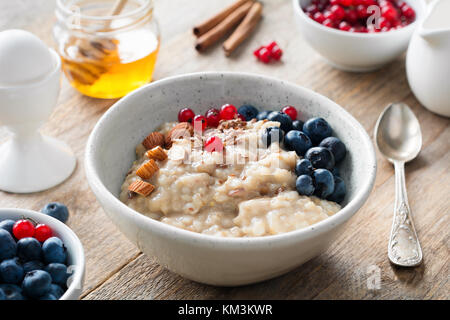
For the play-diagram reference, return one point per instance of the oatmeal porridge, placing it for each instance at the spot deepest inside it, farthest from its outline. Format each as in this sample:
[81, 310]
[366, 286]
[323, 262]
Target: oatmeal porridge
[221, 182]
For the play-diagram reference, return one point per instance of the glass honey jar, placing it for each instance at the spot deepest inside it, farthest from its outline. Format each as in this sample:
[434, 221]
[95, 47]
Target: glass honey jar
[108, 47]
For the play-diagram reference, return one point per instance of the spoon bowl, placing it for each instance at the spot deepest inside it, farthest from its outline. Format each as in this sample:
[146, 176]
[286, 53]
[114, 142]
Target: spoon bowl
[397, 133]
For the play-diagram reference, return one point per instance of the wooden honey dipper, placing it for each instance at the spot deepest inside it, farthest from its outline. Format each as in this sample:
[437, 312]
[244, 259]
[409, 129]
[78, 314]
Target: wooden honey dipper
[97, 54]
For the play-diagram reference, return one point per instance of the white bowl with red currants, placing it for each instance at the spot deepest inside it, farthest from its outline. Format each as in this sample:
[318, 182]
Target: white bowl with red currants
[40, 257]
[358, 35]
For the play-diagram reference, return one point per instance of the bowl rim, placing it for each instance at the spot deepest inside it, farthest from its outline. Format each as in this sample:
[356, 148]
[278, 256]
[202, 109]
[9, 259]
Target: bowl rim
[211, 241]
[77, 282]
[409, 28]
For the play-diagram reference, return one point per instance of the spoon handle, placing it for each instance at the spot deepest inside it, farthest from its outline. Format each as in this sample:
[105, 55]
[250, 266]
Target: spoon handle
[404, 247]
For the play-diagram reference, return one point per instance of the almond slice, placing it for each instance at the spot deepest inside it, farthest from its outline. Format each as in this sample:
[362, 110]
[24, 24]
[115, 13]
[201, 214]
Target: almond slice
[147, 170]
[153, 139]
[181, 130]
[157, 153]
[141, 187]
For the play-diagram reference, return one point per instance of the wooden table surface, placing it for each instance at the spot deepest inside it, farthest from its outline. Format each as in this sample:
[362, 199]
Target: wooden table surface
[116, 269]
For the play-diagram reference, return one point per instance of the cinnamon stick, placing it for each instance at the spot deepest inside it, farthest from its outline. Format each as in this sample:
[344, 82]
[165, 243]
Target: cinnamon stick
[207, 25]
[244, 29]
[216, 33]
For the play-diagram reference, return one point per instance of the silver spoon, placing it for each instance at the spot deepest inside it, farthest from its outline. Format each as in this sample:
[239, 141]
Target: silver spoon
[398, 138]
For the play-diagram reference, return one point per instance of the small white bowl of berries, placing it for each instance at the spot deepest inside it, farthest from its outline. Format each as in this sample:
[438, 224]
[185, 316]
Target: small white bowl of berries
[40, 257]
[358, 35]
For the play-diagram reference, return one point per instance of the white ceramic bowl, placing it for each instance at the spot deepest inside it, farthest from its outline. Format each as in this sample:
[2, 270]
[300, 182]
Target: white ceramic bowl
[209, 259]
[74, 247]
[358, 52]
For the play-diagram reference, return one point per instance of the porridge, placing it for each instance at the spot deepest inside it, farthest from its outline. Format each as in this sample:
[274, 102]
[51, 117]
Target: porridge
[236, 179]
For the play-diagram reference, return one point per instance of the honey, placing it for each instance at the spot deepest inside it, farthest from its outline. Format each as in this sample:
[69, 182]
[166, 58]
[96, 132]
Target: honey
[107, 57]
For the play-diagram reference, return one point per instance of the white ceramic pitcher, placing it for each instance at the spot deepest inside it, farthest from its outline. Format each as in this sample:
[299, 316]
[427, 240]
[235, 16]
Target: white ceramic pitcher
[428, 59]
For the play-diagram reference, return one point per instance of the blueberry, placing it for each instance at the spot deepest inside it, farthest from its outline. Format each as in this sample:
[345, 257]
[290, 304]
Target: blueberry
[324, 183]
[33, 265]
[56, 210]
[54, 250]
[284, 120]
[297, 141]
[2, 295]
[36, 283]
[297, 125]
[58, 272]
[29, 249]
[320, 158]
[8, 247]
[248, 111]
[48, 296]
[305, 185]
[303, 166]
[336, 146]
[7, 225]
[56, 291]
[339, 190]
[317, 129]
[272, 134]
[11, 271]
[335, 172]
[12, 292]
[263, 115]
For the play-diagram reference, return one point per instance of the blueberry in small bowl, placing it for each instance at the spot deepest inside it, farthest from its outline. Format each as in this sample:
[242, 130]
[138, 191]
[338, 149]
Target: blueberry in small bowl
[340, 190]
[305, 185]
[263, 115]
[297, 125]
[303, 166]
[324, 183]
[44, 263]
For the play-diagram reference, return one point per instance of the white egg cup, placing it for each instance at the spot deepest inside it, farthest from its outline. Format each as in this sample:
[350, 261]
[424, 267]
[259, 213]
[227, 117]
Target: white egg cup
[29, 161]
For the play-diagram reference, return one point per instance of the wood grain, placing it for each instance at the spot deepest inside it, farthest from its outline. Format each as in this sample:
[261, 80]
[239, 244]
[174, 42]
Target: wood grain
[117, 270]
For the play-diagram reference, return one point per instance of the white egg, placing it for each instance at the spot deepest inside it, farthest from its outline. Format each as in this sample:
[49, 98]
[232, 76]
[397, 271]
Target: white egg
[24, 58]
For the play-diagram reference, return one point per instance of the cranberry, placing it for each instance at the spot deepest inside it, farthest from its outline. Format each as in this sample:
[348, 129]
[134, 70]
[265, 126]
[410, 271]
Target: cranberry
[319, 17]
[228, 112]
[186, 115]
[200, 122]
[23, 229]
[212, 117]
[265, 55]
[42, 232]
[213, 144]
[291, 112]
[338, 11]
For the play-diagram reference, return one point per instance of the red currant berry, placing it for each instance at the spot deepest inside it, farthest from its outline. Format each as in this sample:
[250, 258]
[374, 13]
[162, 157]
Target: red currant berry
[290, 111]
[338, 12]
[318, 17]
[212, 117]
[23, 229]
[42, 232]
[186, 115]
[265, 55]
[271, 46]
[351, 16]
[344, 26]
[389, 13]
[328, 23]
[328, 15]
[275, 51]
[362, 12]
[311, 9]
[214, 144]
[346, 3]
[384, 23]
[408, 12]
[333, 2]
[200, 123]
[228, 112]
[257, 52]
